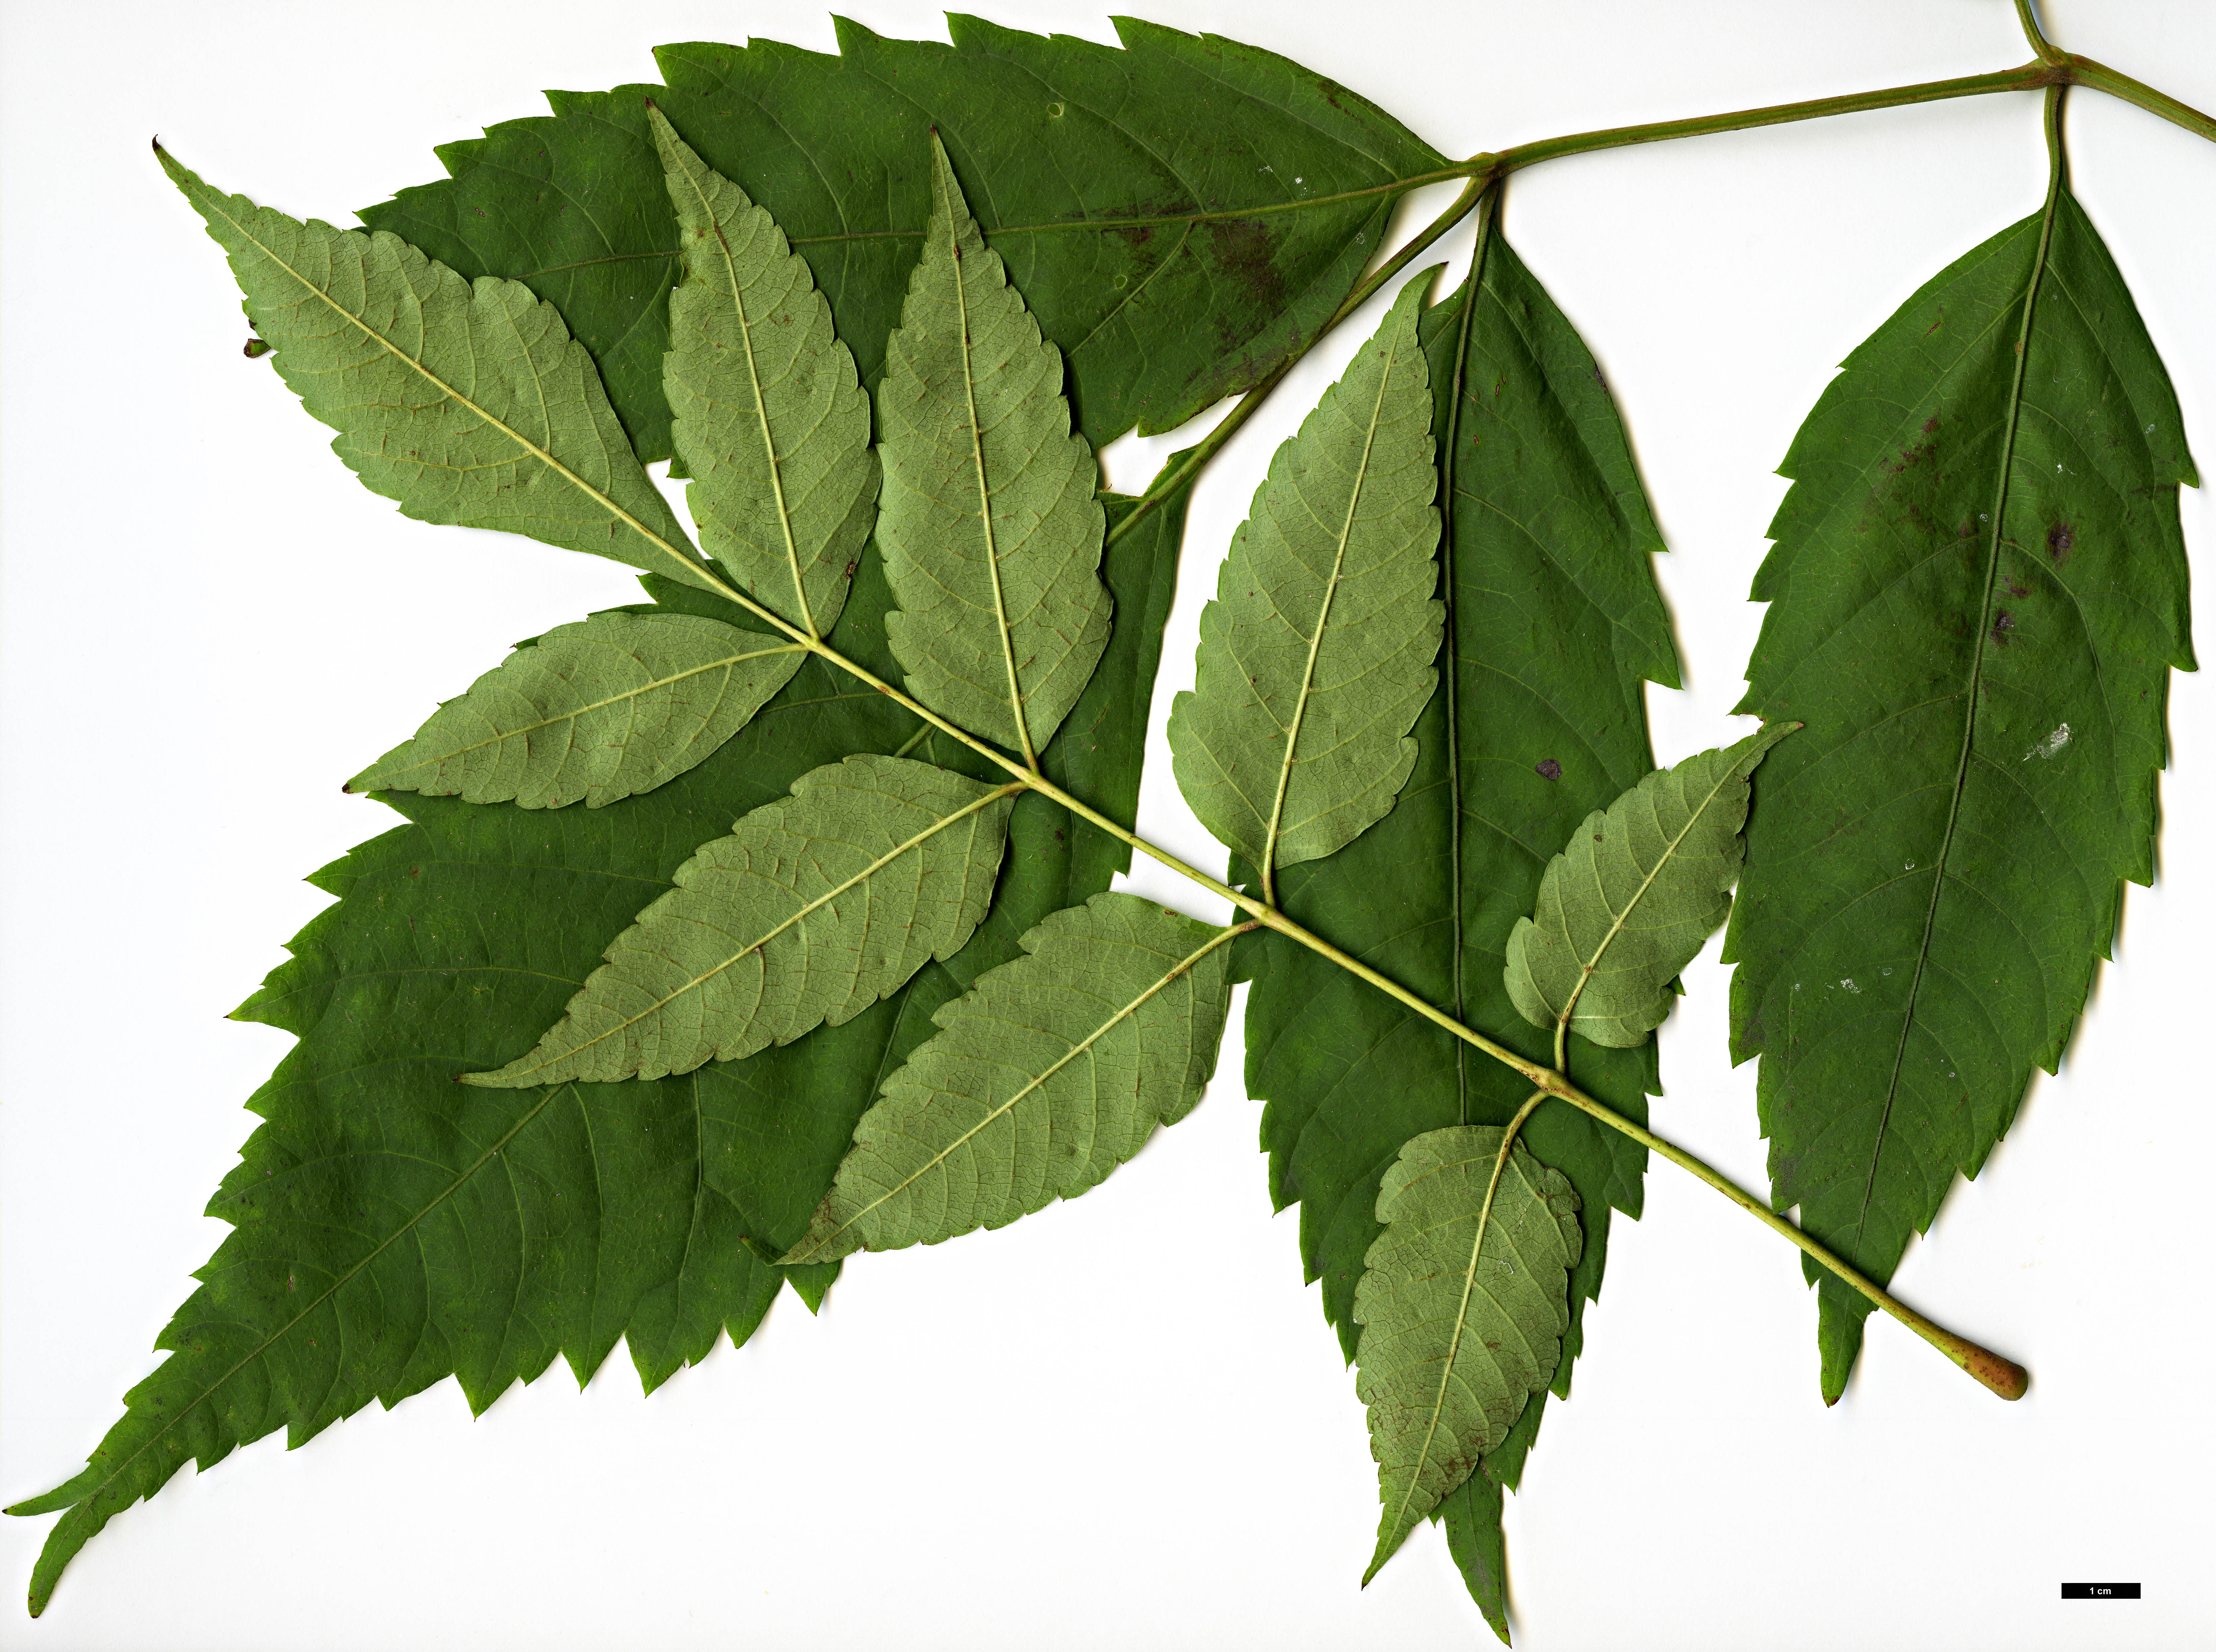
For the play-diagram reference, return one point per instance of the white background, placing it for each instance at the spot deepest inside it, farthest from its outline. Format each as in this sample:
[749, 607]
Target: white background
[1122, 1422]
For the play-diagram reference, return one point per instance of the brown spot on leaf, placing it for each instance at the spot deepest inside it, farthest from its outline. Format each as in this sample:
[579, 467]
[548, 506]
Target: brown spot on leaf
[2016, 590]
[2003, 624]
[1244, 249]
[1547, 768]
[2059, 539]
[1930, 424]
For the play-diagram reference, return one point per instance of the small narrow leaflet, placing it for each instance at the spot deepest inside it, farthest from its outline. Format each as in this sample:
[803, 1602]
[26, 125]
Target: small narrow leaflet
[769, 417]
[1639, 890]
[990, 531]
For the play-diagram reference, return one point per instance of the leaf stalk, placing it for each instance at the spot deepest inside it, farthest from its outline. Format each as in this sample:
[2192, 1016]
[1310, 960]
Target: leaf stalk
[2004, 1377]
[2053, 67]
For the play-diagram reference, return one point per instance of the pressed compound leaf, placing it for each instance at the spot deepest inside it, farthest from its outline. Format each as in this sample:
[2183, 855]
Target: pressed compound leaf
[990, 529]
[1051, 1072]
[812, 911]
[1130, 190]
[611, 705]
[770, 420]
[1641, 885]
[469, 403]
[1315, 656]
[1460, 1326]
[1553, 619]
[455, 940]
[1976, 593]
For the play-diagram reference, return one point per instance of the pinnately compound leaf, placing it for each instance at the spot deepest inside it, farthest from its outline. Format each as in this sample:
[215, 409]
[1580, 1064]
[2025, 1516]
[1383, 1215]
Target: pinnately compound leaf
[495, 1232]
[770, 422]
[603, 708]
[1051, 1072]
[1553, 620]
[1315, 656]
[1977, 595]
[812, 911]
[1638, 891]
[468, 403]
[990, 531]
[1459, 1327]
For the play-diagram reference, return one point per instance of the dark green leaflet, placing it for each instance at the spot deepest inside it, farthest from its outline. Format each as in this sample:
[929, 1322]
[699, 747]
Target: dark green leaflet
[1978, 591]
[1185, 176]
[1553, 619]
[458, 938]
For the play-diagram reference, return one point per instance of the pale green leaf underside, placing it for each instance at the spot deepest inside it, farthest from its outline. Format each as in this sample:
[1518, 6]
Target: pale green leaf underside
[989, 526]
[1639, 890]
[771, 420]
[1316, 655]
[608, 707]
[469, 403]
[1049, 1073]
[809, 912]
[1456, 1337]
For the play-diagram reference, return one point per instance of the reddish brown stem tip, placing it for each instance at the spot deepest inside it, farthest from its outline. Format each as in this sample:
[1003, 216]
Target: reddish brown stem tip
[2004, 1377]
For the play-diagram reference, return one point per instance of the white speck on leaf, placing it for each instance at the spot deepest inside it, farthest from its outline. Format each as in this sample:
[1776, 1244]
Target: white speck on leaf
[1850, 985]
[2053, 743]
